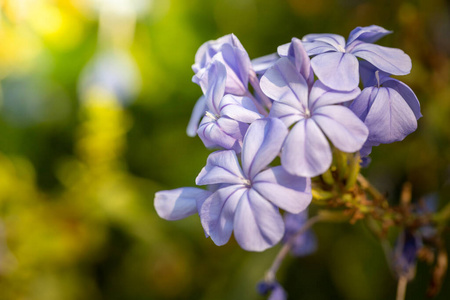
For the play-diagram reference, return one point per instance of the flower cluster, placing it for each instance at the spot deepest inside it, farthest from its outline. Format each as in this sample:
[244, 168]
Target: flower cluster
[297, 104]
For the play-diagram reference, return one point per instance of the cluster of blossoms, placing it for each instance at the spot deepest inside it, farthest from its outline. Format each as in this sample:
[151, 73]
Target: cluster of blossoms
[304, 101]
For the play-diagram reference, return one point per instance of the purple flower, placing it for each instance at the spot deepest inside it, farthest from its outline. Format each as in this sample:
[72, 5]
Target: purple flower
[229, 51]
[405, 254]
[275, 290]
[179, 203]
[225, 122]
[388, 107]
[248, 198]
[302, 244]
[335, 62]
[309, 106]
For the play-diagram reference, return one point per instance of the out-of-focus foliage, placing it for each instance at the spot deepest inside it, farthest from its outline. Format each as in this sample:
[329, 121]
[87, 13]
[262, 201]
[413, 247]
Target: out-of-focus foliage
[95, 99]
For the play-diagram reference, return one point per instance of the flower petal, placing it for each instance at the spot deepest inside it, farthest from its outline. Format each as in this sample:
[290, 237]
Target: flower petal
[238, 65]
[302, 244]
[215, 88]
[390, 60]
[283, 82]
[295, 191]
[306, 151]
[286, 113]
[283, 50]
[407, 94]
[322, 95]
[368, 74]
[258, 224]
[368, 34]
[238, 108]
[262, 143]
[217, 213]
[316, 48]
[179, 203]
[361, 105]
[390, 118]
[213, 135]
[197, 113]
[334, 40]
[342, 127]
[337, 70]
[221, 167]
[261, 64]
[300, 59]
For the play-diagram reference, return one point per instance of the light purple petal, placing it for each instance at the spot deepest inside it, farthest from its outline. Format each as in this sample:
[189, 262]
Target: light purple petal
[390, 118]
[306, 151]
[213, 136]
[361, 105]
[368, 74]
[337, 41]
[390, 60]
[283, 82]
[302, 244]
[221, 167]
[217, 75]
[208, 49]
[239, 108]
[283, 50]
[368, 34]
[278, 293]
[406, 92]
[258, 224]
[261, 64]
[322, 95]
[300, 59]
[316, 48]
[238, 65]
[197, 113]
[288, 192]
[337, 70]
[262, 143]
[286, 113]
[217, 213]
[342, 127]
[234, 129]
[179, 203]
[367, 148]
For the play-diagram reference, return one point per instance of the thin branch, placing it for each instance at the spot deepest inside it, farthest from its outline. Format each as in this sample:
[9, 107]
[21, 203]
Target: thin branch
[401, 288]
[270, 274]
[366, 185]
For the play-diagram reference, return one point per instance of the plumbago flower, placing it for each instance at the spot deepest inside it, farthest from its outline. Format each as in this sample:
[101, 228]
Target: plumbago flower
[227, 117]
[302, 244]
[387, 106]
[248, 199]
[273, 289]
[229, 52]
[309, 106]
[290, 114]
[335, 61]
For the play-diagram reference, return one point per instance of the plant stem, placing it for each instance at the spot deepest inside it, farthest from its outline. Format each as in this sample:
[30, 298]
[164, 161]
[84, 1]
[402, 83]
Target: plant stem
[270, 274]
[401, 288]
[366, 185]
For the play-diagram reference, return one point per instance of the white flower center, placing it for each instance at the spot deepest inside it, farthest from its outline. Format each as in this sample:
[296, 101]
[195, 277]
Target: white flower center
[340, 49]
[246, 182]
[307, 113]
[210, 115]
[377, 76]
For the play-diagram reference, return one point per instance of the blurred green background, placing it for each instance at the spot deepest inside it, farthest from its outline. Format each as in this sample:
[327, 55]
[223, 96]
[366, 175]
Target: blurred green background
[95, 99]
